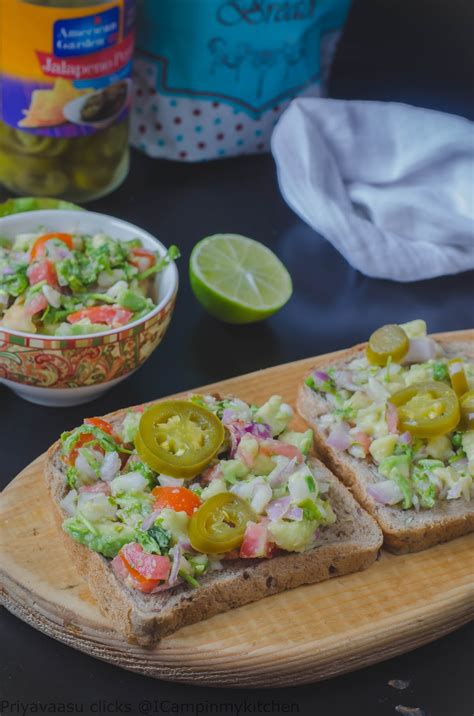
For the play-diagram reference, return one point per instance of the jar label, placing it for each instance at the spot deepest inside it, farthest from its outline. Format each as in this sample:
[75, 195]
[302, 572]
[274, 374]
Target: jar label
[65, 72]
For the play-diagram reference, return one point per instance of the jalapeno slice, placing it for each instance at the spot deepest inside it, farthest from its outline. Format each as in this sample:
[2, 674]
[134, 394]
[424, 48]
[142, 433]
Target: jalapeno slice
[387, 342]
[467, 410]
[457, 376]
[218, 526]
[178, 438]
[427, 409]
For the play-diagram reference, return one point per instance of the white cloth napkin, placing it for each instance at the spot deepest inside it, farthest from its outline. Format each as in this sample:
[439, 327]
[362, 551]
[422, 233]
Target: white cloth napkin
[389, 185]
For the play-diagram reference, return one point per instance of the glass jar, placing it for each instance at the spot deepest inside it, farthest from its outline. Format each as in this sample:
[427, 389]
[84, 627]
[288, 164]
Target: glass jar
[65, 92]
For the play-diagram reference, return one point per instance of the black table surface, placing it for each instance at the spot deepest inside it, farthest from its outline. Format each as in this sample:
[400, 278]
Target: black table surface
[333, 306]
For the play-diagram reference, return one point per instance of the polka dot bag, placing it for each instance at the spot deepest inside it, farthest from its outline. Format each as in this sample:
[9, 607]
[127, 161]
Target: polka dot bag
[213, 76]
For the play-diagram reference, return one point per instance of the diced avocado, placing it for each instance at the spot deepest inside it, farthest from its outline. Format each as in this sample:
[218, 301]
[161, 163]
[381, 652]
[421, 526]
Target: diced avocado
[134, 506]
[415, 329]
[292, 536]
[439, 447]
[130, 425]
[176, 523]
[263, 465]
[233, 470]
[132, 301]
[418, 373]
[468, 445]
[397, 468]
[318, 510]
[383, 447]
[248, 449]
[214, 488]
[303, 441]
[130, 482]
[274, 413]
[96, 508]
[107, 538]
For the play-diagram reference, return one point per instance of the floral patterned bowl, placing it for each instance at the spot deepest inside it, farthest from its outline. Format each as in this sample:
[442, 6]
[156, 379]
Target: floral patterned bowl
[67, 371]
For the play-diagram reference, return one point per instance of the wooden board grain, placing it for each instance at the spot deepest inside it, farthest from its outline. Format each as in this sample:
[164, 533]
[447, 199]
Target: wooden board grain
[300, 636]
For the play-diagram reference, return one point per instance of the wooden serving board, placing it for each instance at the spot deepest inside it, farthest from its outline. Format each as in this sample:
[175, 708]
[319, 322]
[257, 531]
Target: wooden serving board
[301, 636]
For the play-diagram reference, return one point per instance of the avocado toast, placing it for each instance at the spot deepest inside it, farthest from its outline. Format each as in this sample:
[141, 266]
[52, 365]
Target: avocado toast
[399, 434]
[160, 551]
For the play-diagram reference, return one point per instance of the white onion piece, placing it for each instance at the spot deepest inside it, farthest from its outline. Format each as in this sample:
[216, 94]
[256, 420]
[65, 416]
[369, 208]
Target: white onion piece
[343, 379]
[52, 296]
[261, 498]
[386, 492]
[69, 503]
[166, 481]
[83, 468]
[421, 350]
[110, 467]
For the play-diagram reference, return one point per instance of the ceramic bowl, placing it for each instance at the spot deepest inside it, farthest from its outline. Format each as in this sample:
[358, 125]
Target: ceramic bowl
[67, 371]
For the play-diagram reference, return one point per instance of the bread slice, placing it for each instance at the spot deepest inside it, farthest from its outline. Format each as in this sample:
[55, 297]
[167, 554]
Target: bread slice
[404, 530]
[349, 545]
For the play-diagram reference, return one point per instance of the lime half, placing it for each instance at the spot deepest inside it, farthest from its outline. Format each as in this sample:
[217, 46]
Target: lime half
[237, 279]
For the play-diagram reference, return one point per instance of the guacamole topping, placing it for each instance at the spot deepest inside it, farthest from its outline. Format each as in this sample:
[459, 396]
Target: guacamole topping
[259, 496]
[68, 284]
[406, 417]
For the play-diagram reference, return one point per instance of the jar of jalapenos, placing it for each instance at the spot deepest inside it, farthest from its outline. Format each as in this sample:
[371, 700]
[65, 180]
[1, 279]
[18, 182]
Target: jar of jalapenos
[65, 93]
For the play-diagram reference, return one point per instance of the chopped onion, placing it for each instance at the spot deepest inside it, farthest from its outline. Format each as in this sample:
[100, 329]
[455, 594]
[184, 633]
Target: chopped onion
[405, 438]
[343, 379]
[295, 514]
[391, 417]
[320, 376]
[278, 508]
[110, 467]
[176, 552]
[69, 503]
[167, 481]
[421, 350]
[149, 520]
[280, 474]
[261, 497]
[339, 437]
[386, 492]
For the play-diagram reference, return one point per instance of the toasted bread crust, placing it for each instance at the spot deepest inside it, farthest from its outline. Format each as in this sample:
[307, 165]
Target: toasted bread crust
[404, 531]
[352, 544]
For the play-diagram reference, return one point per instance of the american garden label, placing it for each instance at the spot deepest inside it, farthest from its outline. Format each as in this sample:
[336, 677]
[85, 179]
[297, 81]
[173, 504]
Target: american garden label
[65, 72]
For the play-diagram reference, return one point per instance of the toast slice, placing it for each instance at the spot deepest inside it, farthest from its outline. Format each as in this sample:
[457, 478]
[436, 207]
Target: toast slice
[404, 530]
[350, 544]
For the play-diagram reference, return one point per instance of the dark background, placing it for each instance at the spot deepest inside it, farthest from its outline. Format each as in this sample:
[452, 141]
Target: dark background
[419, 52]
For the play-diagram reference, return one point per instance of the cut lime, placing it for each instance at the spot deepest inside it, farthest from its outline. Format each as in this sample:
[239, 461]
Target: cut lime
[237, 279]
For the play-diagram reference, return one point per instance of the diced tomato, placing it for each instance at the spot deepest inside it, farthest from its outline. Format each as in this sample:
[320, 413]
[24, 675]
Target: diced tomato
[256, 541]
[364, 441]
[37, 303]
[98, 488]
[179, 499]
[147, 569]
[391, 417]
[39, 247]
[101, 424]
[81, 441]
[112, 316]
[276, 447]
[42, 271]
[142, 259]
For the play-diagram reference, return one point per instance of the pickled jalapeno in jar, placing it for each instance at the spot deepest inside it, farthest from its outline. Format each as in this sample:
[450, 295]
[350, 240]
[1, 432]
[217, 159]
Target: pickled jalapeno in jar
[65, 92]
